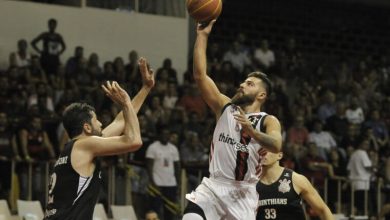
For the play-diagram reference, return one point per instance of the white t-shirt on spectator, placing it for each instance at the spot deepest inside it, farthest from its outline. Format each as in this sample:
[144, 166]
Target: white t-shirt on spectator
[355, 116]
[358, 172]
[164, 157]
[322, 139]
[265, 57]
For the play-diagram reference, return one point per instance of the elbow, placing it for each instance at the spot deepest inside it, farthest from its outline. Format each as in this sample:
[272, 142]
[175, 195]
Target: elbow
[133, 143]
[136, 143]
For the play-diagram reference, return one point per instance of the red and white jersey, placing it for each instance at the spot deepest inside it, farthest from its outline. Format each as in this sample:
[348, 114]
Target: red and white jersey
[234, 154]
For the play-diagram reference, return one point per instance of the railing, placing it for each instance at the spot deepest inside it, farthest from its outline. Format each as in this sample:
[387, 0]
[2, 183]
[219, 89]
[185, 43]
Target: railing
[112, 185]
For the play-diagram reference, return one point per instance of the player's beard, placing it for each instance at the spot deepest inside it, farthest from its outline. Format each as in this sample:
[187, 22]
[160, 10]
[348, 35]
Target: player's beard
[242, 99]
[97, 132]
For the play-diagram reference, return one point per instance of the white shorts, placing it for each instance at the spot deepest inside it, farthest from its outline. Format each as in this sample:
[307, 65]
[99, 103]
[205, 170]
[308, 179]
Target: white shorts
[226, 200]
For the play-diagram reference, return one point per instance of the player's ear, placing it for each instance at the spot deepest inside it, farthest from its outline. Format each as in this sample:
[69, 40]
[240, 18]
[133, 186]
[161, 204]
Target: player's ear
[87, 128]
[280, 155]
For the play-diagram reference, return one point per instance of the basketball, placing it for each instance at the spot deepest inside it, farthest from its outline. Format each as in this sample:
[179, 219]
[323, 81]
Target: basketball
[204, 10]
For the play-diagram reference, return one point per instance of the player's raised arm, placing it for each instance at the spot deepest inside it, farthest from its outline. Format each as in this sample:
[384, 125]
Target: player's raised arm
[116, 127]
[311, 196]
[210, 93]
[131, 138]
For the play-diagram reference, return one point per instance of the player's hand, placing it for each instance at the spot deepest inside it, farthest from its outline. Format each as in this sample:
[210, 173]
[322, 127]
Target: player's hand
[146, 73]
[205, 28]
[116, 93]
[244, 121]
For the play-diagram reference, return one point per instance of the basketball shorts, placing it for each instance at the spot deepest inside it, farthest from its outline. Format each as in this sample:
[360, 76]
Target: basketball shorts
[226, 199]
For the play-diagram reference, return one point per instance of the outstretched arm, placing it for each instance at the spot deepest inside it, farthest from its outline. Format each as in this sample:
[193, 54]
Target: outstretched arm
[129, 141]
[211, 94]
[306, 190]
[117, 126]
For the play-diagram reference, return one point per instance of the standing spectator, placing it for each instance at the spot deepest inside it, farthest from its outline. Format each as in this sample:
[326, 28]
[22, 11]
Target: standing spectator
[164, 170]
[53, 47]
[359, 167]
[264, 57]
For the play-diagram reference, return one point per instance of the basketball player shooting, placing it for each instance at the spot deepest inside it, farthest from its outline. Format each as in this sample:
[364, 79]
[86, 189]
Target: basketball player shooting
[241, 135]
[75, 181]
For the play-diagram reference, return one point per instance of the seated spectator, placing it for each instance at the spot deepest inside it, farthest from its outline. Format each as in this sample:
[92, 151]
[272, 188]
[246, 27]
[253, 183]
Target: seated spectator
[338, 123]
[379, 128]
[354, 112]
[297, 134]
[119, 70]
[73, 62]
[94, 68]
[36, 73]
[315, 168]
[237, 57]
[171, 72]
[170, 97]
[191, 101]
[22, 57]
[156, 112]
[327, 108]
[322, 139]
[193, 157]
[264, 57]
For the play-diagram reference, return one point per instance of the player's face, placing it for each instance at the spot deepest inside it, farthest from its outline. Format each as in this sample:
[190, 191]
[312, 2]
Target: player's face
[96, 125]
[271, 158]
[249, 90]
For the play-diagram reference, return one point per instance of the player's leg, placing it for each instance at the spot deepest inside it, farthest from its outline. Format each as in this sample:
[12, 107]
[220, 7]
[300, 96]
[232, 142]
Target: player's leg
[193, 212]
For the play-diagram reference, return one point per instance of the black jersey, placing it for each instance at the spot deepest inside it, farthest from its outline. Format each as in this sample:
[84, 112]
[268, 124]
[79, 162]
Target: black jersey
[71, 196]
[279, 199]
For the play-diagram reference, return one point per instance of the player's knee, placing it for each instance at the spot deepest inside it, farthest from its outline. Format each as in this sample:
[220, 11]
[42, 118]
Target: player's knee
[192, 216]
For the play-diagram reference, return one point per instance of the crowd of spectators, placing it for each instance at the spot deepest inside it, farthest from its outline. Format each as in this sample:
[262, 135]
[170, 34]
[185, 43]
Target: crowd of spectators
[335, 116]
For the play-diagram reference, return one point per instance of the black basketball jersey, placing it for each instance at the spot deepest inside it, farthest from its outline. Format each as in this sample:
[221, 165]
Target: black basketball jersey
[279, 199]
[71, 196]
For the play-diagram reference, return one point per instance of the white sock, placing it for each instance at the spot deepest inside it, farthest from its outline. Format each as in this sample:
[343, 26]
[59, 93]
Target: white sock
[192, 216]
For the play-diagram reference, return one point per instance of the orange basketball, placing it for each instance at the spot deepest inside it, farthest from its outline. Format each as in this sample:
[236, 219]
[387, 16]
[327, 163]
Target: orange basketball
[204, 10]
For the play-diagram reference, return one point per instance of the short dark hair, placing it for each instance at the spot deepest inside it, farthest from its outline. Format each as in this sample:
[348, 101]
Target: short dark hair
[264, 78]
[74, 117]
[52, 20]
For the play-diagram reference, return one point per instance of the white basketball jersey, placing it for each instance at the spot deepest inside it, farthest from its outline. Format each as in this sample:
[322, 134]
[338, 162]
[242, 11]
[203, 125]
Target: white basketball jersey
[233, 154]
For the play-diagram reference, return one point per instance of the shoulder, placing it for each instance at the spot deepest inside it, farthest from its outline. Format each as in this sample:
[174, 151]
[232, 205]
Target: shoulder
[300, 182]
[270, 119]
